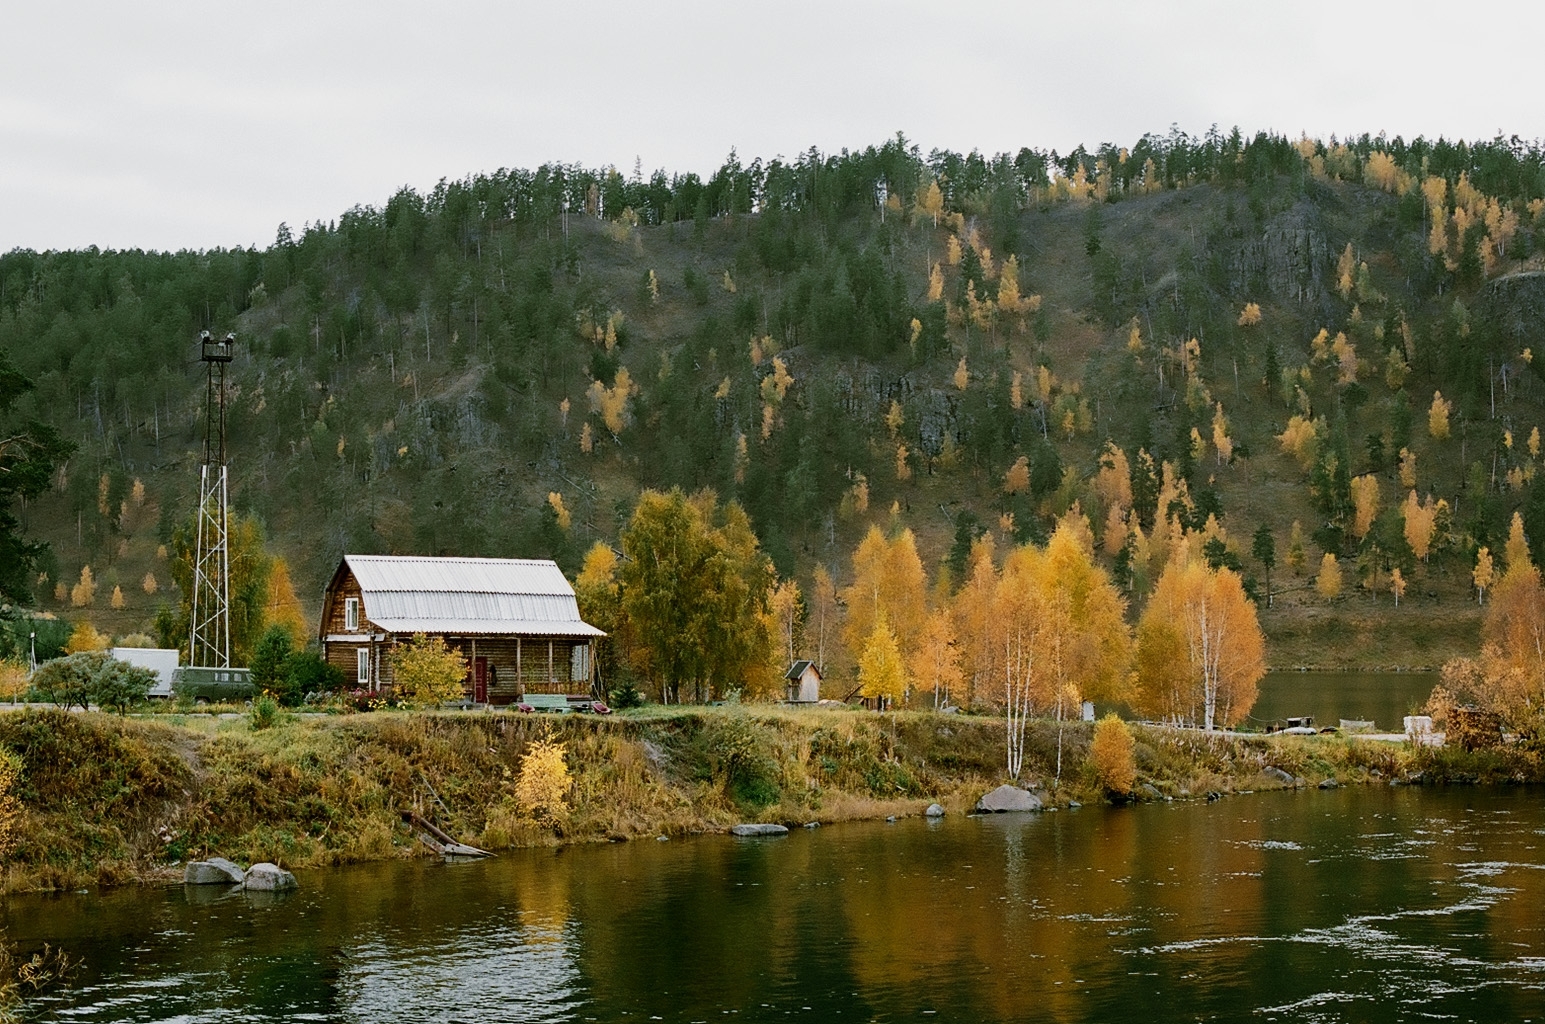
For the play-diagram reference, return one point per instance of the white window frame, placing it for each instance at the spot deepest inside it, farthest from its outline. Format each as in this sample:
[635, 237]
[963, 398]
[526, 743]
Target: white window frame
[362, 661]
[351, 614]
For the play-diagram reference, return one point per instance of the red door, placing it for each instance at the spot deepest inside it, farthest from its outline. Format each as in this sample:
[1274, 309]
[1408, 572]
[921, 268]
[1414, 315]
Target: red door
[480, 680]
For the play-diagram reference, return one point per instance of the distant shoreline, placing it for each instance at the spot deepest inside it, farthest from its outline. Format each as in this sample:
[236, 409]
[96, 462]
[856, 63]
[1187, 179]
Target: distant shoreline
[110, 801]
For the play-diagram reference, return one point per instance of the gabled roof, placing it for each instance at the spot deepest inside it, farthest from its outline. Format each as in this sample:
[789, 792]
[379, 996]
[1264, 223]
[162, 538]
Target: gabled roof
[500, 596]
[798, 669]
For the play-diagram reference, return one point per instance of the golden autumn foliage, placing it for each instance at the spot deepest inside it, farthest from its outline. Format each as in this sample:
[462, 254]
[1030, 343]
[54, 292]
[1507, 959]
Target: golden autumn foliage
[1483, 574]
[612, 403]
[1516, 551]
[888, 582]
[1421, 520]
[1017, 479]
[85, 637]
[561, 513]
[426, 671]
[1221, 442]
[1111, 756]
[1437, 416]
[881, 671]
[1407, 468]
[1008, 286]
[1328, 582]
[1113, 481]
[1300, 439]
[962, 375]
[542, 788]
[930, 201]
[935, 284]
[1058, 625]
[1250, 315]
[1200, 649]
[1397, 584]
[84, 593]
[936, 661]
[775, 386]
[1295, 552]
[1365, 504]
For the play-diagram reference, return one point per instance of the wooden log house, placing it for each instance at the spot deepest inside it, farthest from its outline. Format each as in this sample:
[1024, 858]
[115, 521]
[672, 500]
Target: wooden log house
[515, 622]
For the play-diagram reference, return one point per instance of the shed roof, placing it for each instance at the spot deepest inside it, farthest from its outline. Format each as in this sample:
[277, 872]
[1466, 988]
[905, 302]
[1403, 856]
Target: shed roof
[499, 596]
[797, 669]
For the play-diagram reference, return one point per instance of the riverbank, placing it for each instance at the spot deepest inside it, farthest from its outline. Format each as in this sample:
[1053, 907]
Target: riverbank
[107, 800]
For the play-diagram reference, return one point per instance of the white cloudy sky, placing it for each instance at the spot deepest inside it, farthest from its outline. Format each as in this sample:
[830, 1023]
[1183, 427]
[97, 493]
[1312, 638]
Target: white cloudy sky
[161, 124]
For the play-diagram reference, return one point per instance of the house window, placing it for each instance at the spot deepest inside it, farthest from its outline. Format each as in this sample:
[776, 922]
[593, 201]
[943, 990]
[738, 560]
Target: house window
[362, 655]
[351, 614]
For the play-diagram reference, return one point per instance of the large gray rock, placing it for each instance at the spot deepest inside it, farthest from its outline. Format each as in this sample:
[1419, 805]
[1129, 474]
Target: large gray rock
[1277, 774]
[269, 878]
[1008, 798]
[759, 829]
[934, 811]
[214, 871]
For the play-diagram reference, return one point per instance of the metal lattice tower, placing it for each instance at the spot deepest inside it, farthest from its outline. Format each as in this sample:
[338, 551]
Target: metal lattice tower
[209, 635]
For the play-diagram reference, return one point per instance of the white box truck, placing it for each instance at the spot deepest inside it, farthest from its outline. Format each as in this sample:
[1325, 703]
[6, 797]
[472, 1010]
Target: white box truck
[159, 660]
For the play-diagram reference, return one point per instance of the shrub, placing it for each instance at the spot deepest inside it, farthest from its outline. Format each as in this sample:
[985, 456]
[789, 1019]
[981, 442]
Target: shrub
[427, 672]
[66, 682]
[265, 712]
[117, 685]
[92, 677]
[1110, 756]
[542, 789]
[10, 803]
[305, 672]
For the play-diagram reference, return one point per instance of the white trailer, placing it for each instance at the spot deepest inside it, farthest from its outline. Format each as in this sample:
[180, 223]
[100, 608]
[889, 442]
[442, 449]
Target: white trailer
[159, 660]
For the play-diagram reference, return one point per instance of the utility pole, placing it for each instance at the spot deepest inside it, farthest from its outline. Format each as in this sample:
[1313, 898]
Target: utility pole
[209, 634]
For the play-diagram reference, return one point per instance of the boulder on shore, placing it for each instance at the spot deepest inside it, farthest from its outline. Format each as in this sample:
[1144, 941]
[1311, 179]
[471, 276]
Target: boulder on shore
[934, 811]
[759, 829]
[269, 878]
[1273, 772]
[214, 871]
[1008, 798]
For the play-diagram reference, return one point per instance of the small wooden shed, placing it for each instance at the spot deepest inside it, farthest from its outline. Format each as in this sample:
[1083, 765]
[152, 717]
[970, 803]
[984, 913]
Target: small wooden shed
[514, 620]
[802, 683]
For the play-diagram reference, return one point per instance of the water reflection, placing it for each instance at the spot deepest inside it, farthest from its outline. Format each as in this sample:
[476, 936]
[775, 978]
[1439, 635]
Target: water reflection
[1360, 904]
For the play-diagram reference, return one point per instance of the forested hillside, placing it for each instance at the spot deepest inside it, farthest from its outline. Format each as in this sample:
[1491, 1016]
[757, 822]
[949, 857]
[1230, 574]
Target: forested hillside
[1317, 357]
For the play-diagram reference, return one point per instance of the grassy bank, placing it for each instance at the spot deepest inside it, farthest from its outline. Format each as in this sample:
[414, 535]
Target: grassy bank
[107, 800]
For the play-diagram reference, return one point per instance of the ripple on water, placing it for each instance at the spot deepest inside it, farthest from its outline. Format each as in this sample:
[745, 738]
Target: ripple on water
[494, 973]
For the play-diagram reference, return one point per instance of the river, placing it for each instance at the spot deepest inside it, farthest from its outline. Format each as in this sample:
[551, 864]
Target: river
[1360, 904]
[1384, 698]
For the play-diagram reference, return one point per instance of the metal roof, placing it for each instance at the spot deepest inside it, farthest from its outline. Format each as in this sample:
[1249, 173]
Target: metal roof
[505, 596]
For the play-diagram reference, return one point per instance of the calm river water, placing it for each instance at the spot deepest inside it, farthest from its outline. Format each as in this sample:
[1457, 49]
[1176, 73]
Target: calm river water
[1384, 698]
[1364, 904]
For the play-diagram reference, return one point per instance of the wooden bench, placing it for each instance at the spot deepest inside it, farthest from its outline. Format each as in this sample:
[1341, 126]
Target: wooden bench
[546, 701]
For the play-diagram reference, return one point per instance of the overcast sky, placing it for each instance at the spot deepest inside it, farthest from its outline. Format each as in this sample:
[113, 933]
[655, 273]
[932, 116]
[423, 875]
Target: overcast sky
[191, 125]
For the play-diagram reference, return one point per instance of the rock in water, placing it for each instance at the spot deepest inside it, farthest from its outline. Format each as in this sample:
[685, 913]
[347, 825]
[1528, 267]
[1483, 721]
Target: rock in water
[759, 829]
[1008, 798]
[934, 811]
[214, 871]
[269, 878]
